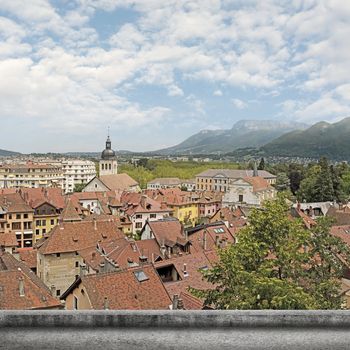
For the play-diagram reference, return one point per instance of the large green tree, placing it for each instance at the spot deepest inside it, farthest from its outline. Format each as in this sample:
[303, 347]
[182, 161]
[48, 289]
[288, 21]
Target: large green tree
[277, 264]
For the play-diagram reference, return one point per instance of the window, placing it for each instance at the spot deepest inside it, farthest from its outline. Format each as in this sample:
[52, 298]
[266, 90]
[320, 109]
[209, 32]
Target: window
[153, 216]
[240, 198]
[44, 230]
[52, 222]
[138, 216]
[138, 225]
[18, 216]
[58, 255]
[25, 216]
[58, 292]
[37, 232]
[37, 222]
[77, 264]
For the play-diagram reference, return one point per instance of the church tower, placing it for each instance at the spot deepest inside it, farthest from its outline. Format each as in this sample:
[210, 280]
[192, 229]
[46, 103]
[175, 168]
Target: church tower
[108, 162]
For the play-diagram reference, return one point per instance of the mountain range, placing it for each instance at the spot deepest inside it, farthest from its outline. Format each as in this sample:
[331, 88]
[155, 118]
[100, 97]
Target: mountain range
[244, 133]
[321, 139]
[4, 153]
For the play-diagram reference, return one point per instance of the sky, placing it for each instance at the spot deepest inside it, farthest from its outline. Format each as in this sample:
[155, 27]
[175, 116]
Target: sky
[158, 71]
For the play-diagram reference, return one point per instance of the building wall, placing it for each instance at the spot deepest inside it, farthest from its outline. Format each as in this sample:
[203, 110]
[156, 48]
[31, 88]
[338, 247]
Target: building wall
[93, 205]
[139, 219]
[77, 172]
[58, 271]
[83, 301]
[43, 224]
[95, 186]
[30, 176]
[241, 187]
[186, 213]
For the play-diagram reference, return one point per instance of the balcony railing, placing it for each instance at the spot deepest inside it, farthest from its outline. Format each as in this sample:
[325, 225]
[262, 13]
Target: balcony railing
[174, 330]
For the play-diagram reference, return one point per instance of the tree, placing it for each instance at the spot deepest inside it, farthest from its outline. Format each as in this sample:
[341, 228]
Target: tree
[282, 182]
[296, 175]
[307, 189]
[261, 165]
[275, 265]
[79, 187]
[324, 190]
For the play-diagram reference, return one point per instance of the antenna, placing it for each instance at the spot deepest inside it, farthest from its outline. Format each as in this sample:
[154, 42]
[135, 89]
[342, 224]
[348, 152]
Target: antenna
[108, 132]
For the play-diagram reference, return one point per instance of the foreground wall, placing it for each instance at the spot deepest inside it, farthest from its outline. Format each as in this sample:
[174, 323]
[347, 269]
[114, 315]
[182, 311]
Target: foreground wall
[175, 330]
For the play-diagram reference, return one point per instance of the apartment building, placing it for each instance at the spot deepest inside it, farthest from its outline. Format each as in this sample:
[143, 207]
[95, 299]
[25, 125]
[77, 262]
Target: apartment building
[30, 175]
[76, 172]
[16, 216]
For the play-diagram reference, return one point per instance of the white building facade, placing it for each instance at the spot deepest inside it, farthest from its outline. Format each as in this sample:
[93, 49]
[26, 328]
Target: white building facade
[77, 172]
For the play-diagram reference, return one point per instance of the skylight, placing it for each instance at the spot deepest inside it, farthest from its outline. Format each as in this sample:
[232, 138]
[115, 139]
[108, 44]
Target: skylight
[141, 276]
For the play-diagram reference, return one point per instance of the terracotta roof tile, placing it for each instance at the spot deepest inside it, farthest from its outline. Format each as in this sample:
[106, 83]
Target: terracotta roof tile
[36, 294]
[28, 256]
[118, 181]
[125, 292]
[75, 236]
[194, 264]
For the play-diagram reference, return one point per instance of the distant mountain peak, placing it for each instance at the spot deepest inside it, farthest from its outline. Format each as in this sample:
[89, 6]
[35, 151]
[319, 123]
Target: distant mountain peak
[244, 133]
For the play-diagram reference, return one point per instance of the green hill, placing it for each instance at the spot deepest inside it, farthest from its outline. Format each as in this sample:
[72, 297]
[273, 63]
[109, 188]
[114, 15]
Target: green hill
[321, 139]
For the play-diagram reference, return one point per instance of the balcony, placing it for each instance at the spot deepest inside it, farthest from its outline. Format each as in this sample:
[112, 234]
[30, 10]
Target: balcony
[175, 329]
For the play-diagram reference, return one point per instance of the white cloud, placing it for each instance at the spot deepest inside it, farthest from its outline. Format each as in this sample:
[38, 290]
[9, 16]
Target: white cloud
[217, 93]
[239, 103]
[55, 66]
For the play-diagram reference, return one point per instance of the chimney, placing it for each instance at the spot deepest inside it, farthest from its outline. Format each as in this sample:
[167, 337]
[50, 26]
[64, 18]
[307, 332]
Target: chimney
[53, 290]
[21, 287]
[255, 171]
[185, 270]
[143, 201]
[217, 241]
[298, 206]
[175, 301]
[180, 304]
[186, 235]
[163, 205]
[95, 224]
[105, 304]
[205, 239]
[169, 252]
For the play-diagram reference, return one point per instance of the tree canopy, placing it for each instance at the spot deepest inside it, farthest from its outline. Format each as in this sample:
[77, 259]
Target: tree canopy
[277, 264]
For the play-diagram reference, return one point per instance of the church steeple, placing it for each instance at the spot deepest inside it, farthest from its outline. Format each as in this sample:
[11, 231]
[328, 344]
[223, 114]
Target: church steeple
[108, 162]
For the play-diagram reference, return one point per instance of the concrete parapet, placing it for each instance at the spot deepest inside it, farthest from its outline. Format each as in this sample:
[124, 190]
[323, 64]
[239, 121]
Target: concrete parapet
[175, 329]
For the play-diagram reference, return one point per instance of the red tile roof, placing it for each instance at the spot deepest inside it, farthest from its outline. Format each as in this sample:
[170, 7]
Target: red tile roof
[194, 278]
[210, 232]
[8, 239]
[36, 196]
[28, 256]
[13, 203]
[118, 181]
[75, 236]
[258, 183]
[36, 294]
[69, 212]
[123, 291]
[167, 231]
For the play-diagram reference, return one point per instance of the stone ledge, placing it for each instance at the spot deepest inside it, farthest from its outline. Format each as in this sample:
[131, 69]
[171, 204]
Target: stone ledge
[174, 330]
